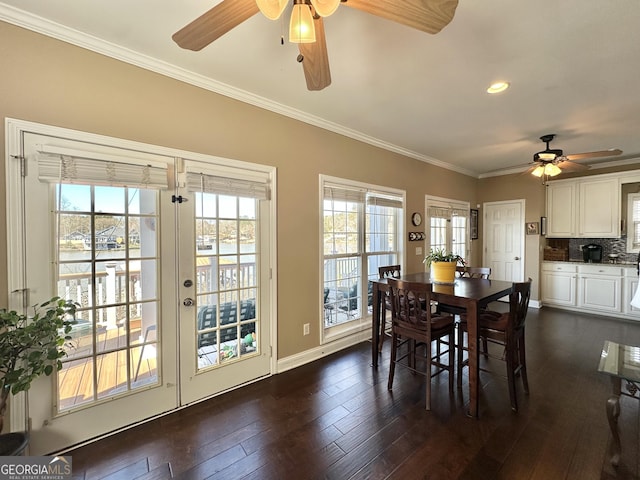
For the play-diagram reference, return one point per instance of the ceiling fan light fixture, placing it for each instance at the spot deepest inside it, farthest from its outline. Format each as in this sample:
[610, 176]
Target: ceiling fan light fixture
[551, 170]
[324, 8]
[547, 170]
[538, 171]
[301, 29]
[272, 9]
[546, 156]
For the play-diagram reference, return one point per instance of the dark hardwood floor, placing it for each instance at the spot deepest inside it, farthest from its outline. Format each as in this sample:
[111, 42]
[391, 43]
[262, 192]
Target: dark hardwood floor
[335, 419]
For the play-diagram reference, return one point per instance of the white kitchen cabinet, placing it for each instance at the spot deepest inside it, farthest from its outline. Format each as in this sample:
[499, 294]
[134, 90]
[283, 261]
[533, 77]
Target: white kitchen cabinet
[586, 207]
[629, 289]
[559, 284]
[561, 209]
[599, 208]
[600, 288]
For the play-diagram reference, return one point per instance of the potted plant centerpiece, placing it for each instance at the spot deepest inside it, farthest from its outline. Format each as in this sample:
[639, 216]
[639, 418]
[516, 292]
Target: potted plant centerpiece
[30, 346]
[442, 265]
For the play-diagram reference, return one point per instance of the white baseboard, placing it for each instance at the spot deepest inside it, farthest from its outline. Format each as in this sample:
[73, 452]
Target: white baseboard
[317, 353]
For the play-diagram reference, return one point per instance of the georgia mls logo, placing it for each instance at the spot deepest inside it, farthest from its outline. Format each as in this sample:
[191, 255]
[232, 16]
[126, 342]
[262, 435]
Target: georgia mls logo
[59, 466]
[35, 468]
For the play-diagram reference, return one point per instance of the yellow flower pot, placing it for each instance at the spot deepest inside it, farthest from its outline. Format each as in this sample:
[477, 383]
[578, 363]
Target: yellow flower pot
[443, 272]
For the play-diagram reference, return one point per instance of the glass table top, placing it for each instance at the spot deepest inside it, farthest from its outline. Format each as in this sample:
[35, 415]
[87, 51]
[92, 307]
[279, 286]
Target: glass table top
[620, 361]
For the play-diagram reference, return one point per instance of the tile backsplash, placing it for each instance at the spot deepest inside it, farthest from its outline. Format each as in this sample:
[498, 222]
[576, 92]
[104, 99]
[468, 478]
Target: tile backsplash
[609, 245]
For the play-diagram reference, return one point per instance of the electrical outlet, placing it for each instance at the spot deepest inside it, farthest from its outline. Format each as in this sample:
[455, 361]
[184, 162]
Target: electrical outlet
[305, 329]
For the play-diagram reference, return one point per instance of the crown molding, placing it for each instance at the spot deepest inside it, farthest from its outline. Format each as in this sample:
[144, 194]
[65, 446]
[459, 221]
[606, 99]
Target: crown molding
[504, 171]
[74, 37]
[616, 163]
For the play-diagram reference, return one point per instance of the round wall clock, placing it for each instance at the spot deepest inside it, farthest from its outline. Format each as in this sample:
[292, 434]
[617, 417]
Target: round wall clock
[416, 219]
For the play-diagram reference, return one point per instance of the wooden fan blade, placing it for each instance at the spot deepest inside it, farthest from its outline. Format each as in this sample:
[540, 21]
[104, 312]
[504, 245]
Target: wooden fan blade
[531, 168]
[569, 165]
[430, 16]
[316, 59]
[215, 23]
[602, 153]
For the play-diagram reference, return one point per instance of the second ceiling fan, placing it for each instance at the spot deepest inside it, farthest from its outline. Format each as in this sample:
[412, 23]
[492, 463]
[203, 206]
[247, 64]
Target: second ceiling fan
[551, 161]
[429, 16]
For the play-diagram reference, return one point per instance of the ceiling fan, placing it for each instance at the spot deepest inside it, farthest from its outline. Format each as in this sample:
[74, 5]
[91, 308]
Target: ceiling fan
[307, 28]
[552, 161]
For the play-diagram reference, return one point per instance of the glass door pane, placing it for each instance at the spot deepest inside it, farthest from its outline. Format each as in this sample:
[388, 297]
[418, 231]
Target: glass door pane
[227, 282]
[108, 261]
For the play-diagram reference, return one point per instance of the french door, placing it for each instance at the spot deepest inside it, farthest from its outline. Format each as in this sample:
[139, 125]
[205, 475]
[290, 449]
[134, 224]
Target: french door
[171, 277]
[223, 277]
[448, 226]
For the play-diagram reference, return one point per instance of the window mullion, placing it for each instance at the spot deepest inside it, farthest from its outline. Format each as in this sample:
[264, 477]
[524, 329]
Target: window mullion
[362, 233]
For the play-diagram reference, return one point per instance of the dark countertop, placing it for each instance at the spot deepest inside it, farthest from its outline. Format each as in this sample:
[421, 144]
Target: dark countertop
[617, 264]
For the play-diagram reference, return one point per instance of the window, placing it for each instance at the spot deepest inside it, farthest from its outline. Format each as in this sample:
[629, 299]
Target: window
[362, 230]
[448, 226]
[633, 222]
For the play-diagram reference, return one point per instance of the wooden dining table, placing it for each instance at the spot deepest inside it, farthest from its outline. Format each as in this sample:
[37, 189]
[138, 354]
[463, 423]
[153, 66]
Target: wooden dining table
[471, 294]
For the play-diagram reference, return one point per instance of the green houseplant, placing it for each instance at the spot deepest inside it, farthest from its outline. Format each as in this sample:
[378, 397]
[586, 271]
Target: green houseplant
[32, 345]
[442, 265]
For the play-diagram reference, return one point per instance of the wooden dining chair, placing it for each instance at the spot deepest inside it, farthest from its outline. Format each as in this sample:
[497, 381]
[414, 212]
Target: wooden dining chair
[462, 271]
[506, 330]
[387, 271]
[412, 323]
[473, 272]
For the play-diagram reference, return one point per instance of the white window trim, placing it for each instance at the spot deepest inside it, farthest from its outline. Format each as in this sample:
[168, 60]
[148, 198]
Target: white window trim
[631, 198]
[359, 329]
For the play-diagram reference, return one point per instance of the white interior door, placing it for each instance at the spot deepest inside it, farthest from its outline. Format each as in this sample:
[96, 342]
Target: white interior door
[504, 240]
[152, 269]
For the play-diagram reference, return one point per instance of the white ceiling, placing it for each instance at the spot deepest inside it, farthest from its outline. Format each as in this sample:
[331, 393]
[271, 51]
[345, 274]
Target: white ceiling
[573, 65]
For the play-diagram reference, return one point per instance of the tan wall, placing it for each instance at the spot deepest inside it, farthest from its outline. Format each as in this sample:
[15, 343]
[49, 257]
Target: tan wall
[50, 82]
[515, 187]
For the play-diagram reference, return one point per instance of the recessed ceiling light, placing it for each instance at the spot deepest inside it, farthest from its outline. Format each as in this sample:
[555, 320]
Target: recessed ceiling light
[498, 87]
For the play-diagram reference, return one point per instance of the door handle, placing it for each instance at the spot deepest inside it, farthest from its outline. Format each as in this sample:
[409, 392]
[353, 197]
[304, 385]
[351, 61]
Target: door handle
[517, 258]
[188, 302]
